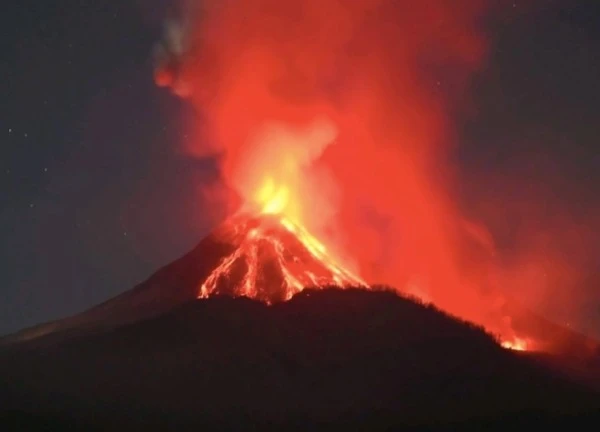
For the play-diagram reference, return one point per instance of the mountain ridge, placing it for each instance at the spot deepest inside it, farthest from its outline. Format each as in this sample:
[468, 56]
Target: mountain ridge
[325, 357]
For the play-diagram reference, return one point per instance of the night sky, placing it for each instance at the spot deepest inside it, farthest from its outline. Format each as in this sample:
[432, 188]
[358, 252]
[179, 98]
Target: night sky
[94, 195]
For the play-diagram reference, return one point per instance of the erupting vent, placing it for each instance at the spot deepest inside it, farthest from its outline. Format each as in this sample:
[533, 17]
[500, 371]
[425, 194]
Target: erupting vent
[273, 259]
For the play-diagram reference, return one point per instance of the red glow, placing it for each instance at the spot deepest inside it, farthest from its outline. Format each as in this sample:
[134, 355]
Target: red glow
[516, 344]
[334, 114]
[274, 259]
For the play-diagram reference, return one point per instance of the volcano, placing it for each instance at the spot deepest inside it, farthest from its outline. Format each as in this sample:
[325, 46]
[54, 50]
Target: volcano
[259, 326]
[262, 256]
[273, 259]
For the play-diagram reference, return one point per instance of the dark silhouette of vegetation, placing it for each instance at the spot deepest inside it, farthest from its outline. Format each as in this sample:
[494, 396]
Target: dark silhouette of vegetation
[350, 359]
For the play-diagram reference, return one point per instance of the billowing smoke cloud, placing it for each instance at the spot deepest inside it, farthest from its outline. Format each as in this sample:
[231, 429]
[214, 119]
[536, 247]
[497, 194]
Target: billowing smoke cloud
[548, 235]
[378, 78]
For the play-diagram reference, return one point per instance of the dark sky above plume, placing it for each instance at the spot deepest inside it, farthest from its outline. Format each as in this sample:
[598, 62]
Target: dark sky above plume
[94, 196]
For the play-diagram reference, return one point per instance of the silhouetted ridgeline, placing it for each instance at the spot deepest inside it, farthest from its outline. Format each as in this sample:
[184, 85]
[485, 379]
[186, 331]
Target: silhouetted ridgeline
[352, 359]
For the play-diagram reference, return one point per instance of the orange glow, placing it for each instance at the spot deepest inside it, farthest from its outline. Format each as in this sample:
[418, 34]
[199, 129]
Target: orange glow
[517, 344]
[273, 261]
[301, 260]
[335, 117]
[273, 199]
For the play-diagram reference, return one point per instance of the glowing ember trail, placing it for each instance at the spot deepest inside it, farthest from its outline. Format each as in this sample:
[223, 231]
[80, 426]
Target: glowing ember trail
[274, 257]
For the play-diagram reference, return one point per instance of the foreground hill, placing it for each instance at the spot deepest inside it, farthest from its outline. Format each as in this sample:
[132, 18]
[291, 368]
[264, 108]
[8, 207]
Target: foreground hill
[334, 357]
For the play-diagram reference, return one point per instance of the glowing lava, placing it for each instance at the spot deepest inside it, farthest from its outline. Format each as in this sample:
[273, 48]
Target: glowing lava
[517, 344]
[274, 256]
[273, 259]
[274, 199]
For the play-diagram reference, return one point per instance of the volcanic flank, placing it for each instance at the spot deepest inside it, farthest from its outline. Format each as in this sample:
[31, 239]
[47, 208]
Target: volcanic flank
[262, 256]
[259, 325]
[273, 259]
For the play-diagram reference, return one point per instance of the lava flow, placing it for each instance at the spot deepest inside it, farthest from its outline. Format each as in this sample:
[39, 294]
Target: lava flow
[517, 344]
[275, 257]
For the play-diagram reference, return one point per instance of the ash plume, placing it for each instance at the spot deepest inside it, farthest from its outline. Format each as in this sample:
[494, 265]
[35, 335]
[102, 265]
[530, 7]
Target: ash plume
[167, 56]
[386, 75]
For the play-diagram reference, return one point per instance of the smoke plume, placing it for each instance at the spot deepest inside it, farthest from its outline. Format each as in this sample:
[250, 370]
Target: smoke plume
[350, 103]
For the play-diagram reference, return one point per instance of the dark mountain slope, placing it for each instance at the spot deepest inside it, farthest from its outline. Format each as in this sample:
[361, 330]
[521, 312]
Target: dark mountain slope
[265, 257]
[345, 358]
[169, 287]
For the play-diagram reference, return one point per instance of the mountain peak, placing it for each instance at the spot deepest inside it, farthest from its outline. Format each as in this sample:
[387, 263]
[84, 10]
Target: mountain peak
[266, 257]
[273, 259]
